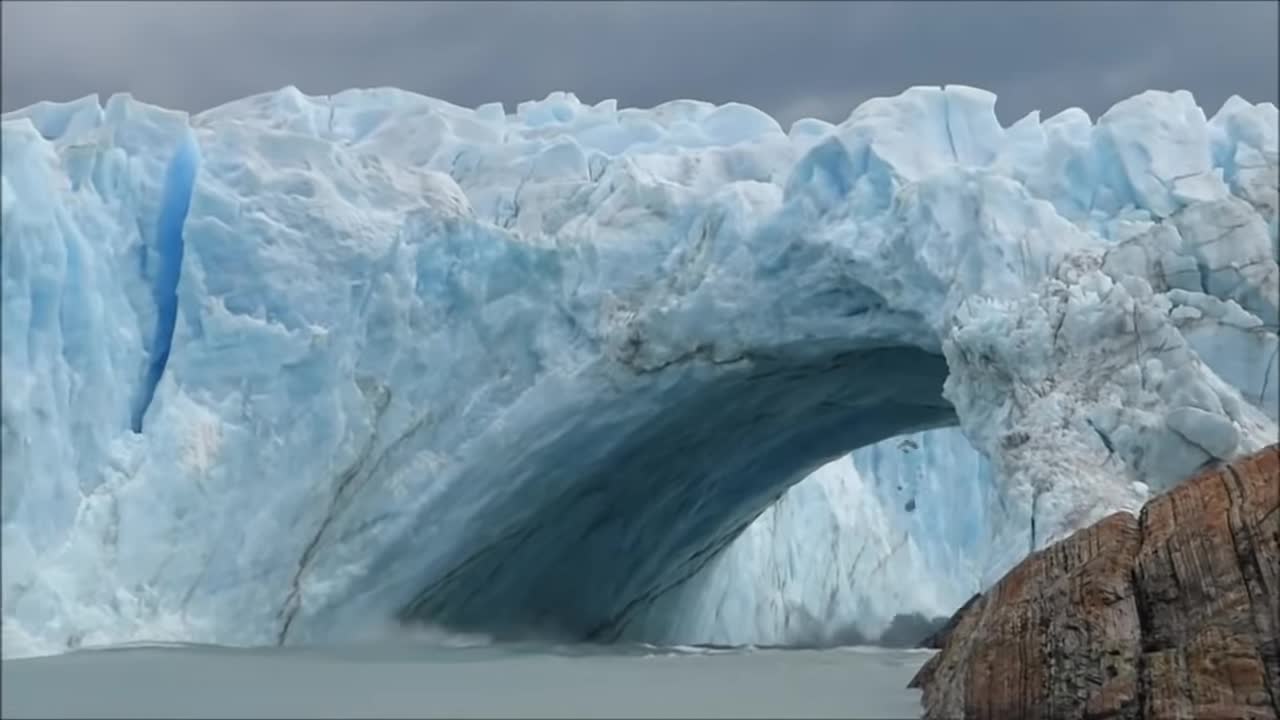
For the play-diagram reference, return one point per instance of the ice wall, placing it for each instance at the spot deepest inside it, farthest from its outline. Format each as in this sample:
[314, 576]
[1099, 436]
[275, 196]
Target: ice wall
[905, 526]
[531, 372]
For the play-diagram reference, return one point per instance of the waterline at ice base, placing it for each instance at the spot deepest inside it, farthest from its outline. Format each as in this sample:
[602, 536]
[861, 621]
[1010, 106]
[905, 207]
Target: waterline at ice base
[297, 367]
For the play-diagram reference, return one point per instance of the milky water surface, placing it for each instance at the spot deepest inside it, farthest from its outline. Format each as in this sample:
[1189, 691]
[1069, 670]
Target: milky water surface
[415, 680]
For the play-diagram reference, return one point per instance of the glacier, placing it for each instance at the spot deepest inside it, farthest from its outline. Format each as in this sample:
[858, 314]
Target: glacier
[288, 368]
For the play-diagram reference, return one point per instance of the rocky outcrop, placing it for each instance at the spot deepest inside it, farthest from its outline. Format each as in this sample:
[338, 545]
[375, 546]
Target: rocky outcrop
[1173, 614]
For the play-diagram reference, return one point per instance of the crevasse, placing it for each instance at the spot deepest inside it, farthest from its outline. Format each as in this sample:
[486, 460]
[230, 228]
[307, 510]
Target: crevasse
[175, 202]
[565, 370]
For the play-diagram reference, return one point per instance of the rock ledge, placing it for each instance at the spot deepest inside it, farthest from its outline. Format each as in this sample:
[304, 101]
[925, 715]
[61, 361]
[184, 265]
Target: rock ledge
[1173, 614]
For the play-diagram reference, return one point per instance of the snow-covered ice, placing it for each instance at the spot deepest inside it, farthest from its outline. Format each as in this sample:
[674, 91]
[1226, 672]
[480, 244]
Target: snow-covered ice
[291, 366]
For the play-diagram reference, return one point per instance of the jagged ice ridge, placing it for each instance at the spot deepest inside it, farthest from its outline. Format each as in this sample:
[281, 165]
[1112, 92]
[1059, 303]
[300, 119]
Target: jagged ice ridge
[290, 367]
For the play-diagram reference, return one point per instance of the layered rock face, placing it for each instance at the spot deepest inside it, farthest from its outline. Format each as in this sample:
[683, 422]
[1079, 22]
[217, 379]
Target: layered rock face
[1172, 614]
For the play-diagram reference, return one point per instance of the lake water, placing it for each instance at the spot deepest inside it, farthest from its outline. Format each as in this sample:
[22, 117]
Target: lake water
[408, 680]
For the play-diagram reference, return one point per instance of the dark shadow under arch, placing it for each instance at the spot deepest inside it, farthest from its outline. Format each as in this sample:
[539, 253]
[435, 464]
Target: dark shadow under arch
[638, 521]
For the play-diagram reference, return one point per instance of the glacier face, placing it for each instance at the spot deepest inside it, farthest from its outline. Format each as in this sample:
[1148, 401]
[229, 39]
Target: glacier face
[294, 365]
[904, 526]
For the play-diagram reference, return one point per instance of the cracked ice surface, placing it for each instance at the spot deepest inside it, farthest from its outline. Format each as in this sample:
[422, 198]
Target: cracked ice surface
[533, 371]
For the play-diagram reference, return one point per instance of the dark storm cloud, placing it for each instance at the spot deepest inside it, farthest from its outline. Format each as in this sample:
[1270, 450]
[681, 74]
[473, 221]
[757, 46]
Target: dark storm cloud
[789, 58]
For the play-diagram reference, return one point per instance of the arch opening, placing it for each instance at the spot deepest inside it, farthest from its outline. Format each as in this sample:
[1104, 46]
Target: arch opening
[638, 521]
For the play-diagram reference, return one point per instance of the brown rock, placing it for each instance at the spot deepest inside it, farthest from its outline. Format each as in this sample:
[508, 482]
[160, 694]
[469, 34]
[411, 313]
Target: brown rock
[1175, 614]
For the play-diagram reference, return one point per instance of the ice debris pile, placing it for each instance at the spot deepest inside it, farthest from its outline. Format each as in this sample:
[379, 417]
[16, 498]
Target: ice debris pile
[295, 365]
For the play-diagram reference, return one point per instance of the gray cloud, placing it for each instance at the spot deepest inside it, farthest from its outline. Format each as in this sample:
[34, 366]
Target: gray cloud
[791, 59]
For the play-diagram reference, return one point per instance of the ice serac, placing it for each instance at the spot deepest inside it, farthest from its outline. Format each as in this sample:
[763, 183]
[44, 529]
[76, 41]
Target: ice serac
[531, 372]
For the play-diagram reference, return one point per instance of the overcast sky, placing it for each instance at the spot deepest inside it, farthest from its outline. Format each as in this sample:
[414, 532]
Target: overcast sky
[792, 59]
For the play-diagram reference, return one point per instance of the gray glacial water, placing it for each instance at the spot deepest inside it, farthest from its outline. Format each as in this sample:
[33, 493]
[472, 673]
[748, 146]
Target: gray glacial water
[406, 680]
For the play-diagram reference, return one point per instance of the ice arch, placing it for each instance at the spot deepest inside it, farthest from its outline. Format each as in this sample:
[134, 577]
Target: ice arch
[524, 372]
[648, 500]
